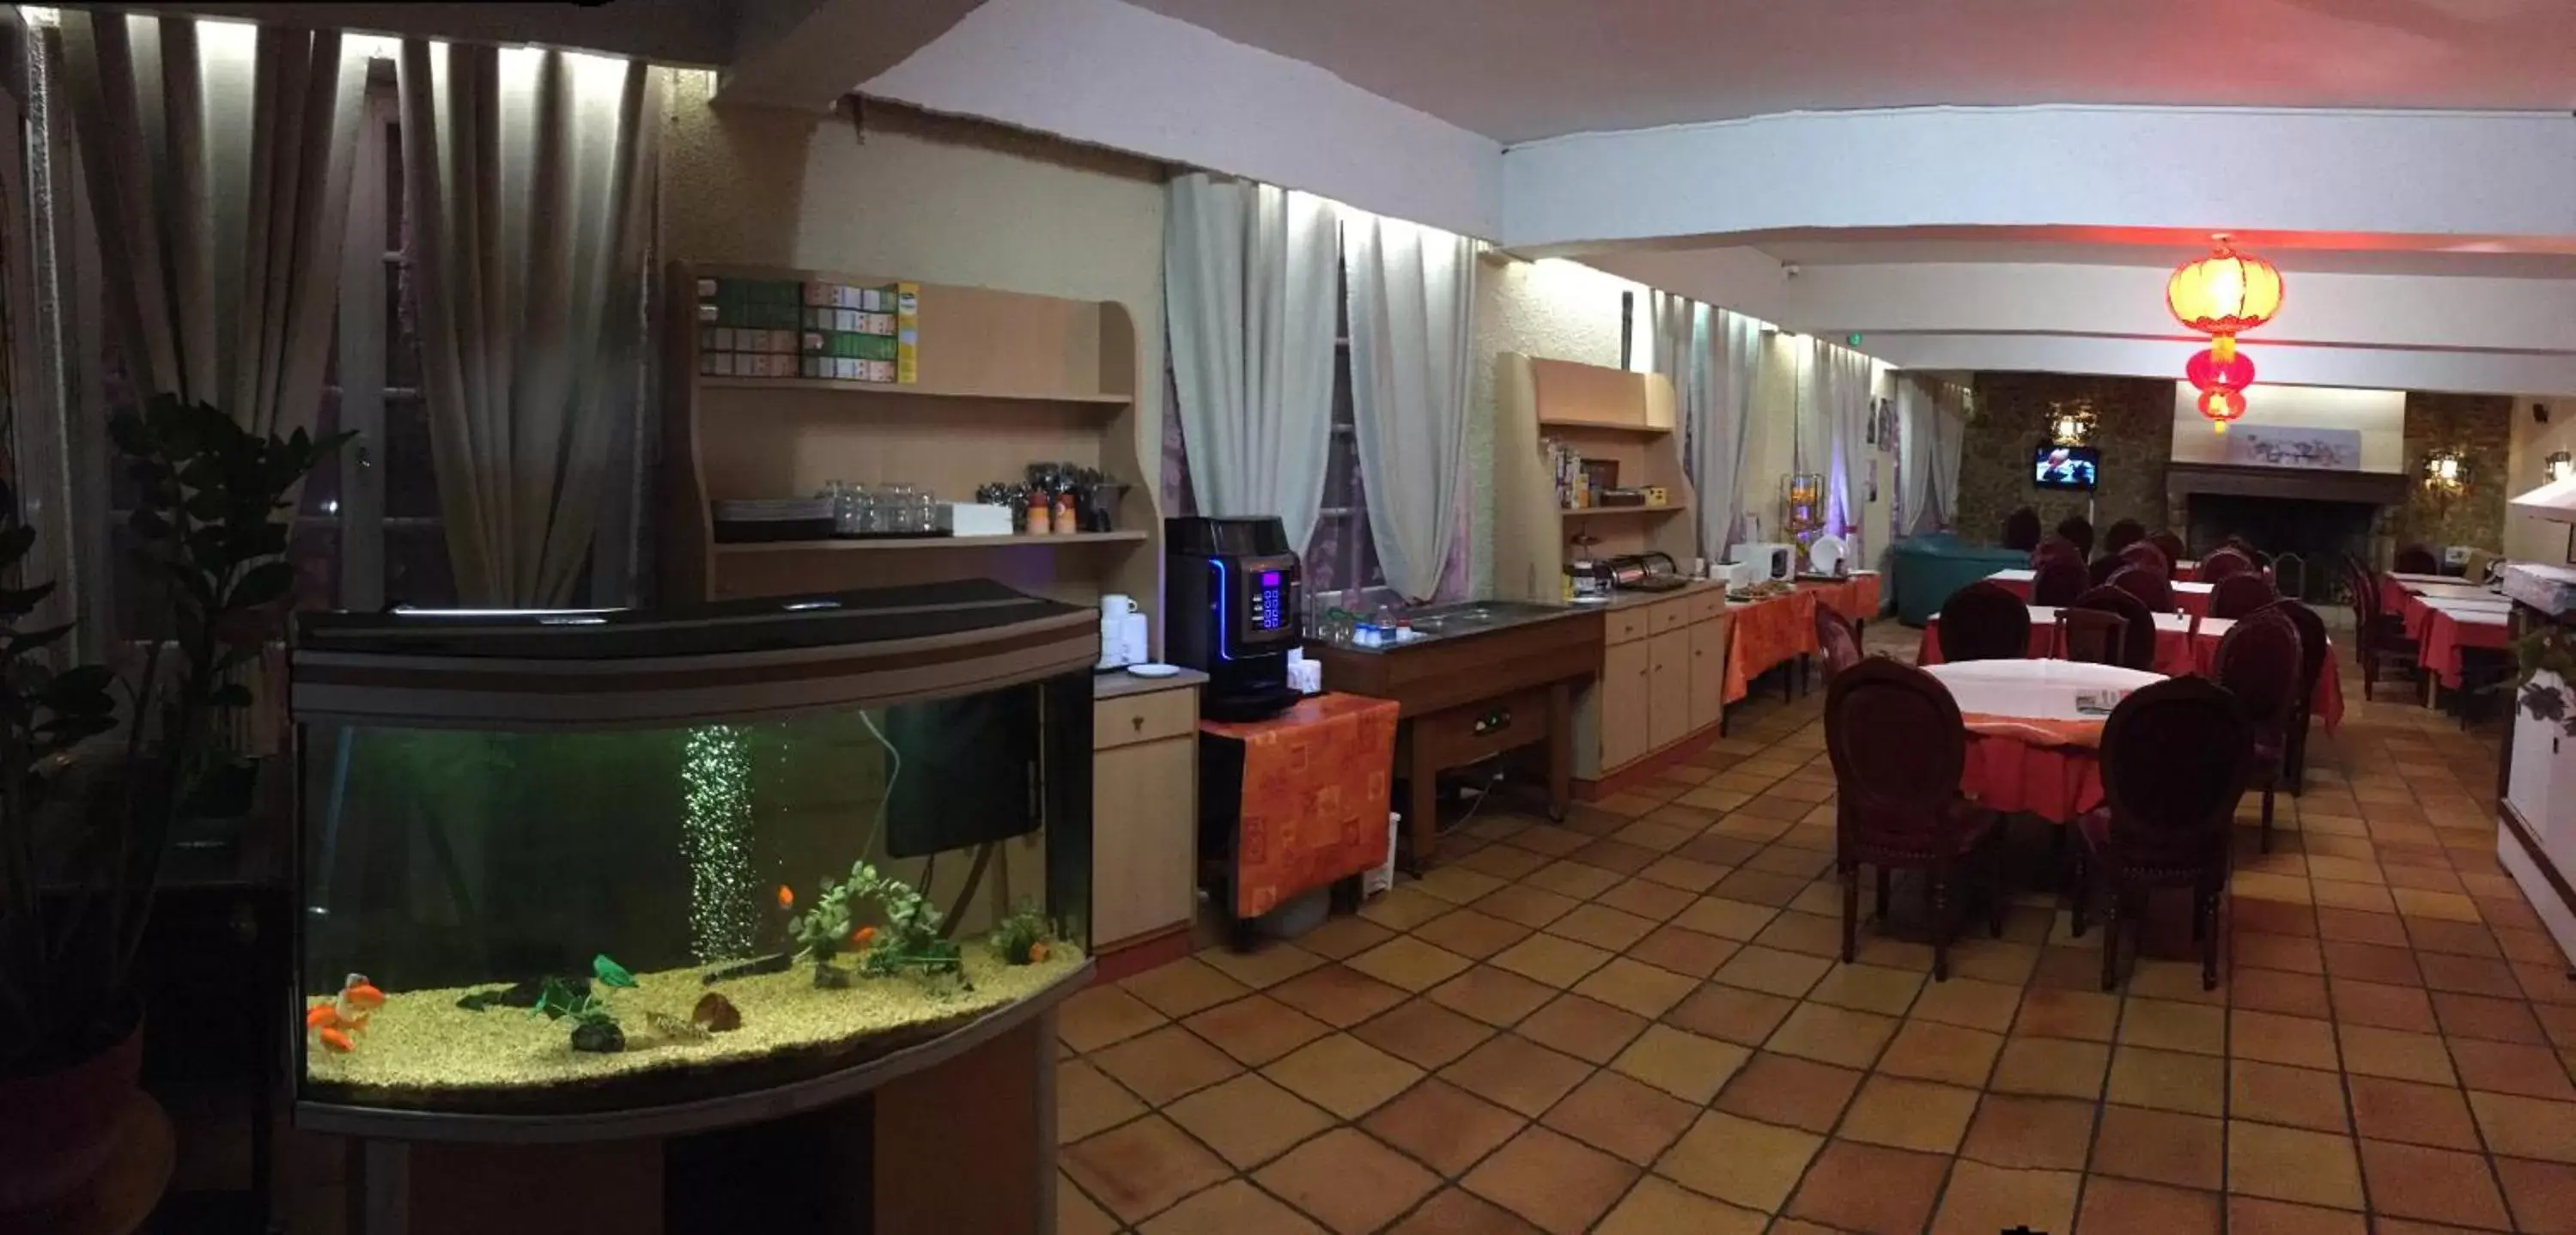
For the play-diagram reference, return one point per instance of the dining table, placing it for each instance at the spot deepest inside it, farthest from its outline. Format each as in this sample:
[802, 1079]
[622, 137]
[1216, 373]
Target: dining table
[2445, 616]
[2184, 644]
[2035, 731]
[2191, 598]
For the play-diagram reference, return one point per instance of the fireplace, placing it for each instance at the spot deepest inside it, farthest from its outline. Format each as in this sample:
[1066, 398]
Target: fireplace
[2306, 519]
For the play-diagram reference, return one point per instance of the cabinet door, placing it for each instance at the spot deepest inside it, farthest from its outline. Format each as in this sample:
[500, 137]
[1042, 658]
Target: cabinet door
[1623, 694]
[1144, 838]
[1707, 672]
[1669, 690]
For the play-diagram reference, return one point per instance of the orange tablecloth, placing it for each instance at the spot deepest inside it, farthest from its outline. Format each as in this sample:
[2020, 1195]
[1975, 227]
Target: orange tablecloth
[1855, 598]
[2177, 652]
[1766, 632]
[1315, 784]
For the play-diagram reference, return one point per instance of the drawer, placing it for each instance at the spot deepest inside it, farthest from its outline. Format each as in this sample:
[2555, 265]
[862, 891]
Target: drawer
[1625, 624]
[1130, 719]
[1670, 615]
[1706, 604]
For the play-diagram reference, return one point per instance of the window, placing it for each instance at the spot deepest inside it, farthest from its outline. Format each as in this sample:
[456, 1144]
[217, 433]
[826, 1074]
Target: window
[367, 532]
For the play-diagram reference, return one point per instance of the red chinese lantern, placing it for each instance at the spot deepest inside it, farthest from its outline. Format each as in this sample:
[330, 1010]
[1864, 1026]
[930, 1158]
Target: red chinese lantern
[2224, 294]
[2220, 406]
[2206, 370]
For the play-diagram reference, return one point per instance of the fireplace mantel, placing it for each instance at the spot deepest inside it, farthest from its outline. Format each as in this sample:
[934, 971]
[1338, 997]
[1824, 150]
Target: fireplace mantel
[2295, 484]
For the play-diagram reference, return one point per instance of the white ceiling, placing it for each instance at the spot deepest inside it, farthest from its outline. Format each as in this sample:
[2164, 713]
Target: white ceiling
[1517, 70]
[2290, 259]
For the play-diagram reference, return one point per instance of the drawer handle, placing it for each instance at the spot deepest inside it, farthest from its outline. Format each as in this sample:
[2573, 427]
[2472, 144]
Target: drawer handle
[1137, 721]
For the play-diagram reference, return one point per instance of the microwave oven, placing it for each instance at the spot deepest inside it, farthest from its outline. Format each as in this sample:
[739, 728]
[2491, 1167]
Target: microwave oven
[1769, 560]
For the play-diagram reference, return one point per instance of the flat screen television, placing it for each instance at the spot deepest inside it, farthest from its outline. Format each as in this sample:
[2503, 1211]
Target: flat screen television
[2064, 467]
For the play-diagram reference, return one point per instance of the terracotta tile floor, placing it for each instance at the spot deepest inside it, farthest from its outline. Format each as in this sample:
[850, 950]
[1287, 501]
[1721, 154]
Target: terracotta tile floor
[1634, 1022]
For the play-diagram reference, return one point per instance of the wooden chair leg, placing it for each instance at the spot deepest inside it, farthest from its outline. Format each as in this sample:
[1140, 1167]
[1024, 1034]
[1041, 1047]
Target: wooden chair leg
[1851, 910]
[2270, 783]
[1995, 879]
[1941, 914]
[2209, 943]
[2115, 915]
[2079, 891]
[1882, 895]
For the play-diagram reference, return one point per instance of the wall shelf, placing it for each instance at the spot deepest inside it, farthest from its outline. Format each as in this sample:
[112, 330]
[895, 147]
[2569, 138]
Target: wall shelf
[1595, 426]
[1590, 512]
[918, 543]
[916, 390]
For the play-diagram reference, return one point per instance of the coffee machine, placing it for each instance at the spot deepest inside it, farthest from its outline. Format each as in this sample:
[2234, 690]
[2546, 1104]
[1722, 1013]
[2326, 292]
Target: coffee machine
[1232, 604]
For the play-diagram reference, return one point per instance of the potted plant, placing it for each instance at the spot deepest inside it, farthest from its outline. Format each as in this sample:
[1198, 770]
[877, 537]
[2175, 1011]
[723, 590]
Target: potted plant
[77, 875]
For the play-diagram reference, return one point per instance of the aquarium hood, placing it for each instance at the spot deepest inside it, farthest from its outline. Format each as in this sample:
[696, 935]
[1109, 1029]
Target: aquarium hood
[729, 660]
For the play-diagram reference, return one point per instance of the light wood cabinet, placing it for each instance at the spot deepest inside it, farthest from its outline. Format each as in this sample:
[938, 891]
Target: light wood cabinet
[1623, 695]
[1144, 816]
[1708, 669]
[1668, 686]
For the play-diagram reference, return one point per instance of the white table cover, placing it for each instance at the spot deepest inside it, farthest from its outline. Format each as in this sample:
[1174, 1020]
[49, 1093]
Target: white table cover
[2033, 689]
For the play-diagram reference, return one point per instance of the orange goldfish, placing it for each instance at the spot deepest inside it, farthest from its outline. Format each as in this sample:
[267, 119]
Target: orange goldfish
[337, 1040]
[322, 1016]
[786, 897]
[863, 936]
[363, 994]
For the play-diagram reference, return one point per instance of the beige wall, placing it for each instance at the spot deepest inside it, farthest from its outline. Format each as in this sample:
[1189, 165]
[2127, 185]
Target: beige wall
[2526, 538]
[2379, 416]
[1555, 310]
[919, 197]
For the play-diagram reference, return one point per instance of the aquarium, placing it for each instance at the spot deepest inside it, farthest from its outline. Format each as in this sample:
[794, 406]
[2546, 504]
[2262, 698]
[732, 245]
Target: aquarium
[600, 861]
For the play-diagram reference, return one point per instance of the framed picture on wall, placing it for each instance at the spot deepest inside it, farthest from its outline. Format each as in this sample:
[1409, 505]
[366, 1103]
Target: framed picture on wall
[1873, 480]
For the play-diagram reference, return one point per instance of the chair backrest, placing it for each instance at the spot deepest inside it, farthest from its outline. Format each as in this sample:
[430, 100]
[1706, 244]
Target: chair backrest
[1982, 621]
[2312, 645]
[2093, 636]
[2021, 530]
[2364, 589]
[2122, 534]
[1898, 750]
[1839, 644]
[2147, 584]
[2259, 662]
[2138, 635]
[2170, 545]
[2240, 544]
[2079, 529]
[2058, 580]
[2225, 562]
[2099, 572]
[2417, 560]
[2143, 553]
[2174, 757]
[2240, 594]
[2054, 546]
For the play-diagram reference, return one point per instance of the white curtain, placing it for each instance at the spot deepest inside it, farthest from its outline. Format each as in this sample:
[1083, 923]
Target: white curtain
[1915, 429]
[1734, 350]
[1412, 296]
[1248, 275]
[1934, 417]
[218, 157]
[1949, 446]
[1680, 353]
[1841, 388]
[528, 177]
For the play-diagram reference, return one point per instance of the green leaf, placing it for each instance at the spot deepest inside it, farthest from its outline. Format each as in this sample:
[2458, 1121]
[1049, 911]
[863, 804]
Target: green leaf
[15, 542]
[262, 584]
[34, 639]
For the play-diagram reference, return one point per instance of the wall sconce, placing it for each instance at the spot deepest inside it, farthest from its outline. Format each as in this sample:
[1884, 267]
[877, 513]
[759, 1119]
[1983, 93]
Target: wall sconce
[2072, 422]
[2558, 466]
[2445, 471]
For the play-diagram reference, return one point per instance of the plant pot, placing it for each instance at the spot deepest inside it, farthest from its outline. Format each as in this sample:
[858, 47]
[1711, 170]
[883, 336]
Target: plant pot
[58, 1128]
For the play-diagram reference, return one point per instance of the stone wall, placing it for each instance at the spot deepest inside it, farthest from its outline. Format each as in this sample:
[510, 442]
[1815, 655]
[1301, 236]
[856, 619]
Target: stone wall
[2134, 432]
[2480, 427]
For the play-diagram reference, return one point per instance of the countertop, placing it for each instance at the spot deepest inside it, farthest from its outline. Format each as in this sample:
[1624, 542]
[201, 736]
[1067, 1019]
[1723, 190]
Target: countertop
[1631, 600]
[1505, 615]
[1118, 683]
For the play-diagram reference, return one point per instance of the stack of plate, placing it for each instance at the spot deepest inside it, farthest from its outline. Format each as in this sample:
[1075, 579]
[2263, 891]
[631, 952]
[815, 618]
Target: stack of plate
[752, 520]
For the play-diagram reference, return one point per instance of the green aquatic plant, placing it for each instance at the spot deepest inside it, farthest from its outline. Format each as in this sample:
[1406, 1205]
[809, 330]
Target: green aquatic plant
[910, 941]
[610, 973]
[1024, 937]
[594, 1023]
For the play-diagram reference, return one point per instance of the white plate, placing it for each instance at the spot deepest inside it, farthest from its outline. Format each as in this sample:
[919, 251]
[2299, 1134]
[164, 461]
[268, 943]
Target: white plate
[1825, 553]
[1153, 670]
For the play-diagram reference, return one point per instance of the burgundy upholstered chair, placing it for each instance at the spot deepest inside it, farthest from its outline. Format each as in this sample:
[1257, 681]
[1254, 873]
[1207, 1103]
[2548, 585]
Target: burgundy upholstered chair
[2225, 562]
[2173, 759]
[2144, 554]
[2093, 636]
[2418, 560]
[2122, 534]
[2313, 647]
[1835, 638]
[2021, 530]
[2054, 546]
[1982, 621]
[2147, 584]
[2240, 594]
[2379, 637]
[2171, 546]
[2057, 580]
[2100, 571]
[1899, 749]
[2138, 632]
[2079, 529]
[2259, 662]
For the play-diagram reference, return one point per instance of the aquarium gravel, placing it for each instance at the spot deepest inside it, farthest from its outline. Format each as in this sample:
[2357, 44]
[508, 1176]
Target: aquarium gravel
[422, 1044]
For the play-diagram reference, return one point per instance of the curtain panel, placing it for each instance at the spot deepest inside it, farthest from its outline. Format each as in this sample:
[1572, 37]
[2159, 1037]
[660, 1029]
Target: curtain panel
[1411, 308]
[1839, 379]
[1249, 274]
[529, 178]
[218, 159]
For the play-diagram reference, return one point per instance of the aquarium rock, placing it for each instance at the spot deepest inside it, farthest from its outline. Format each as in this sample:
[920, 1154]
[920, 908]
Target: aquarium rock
[598, 1037]
[716, 1014]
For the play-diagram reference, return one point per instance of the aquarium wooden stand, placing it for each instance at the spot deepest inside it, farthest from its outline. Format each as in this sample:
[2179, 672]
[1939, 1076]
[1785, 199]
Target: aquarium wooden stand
[958, 1134]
